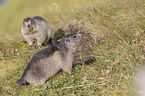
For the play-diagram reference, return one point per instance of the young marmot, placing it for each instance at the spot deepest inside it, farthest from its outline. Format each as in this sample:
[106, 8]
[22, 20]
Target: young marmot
[49, 61]
[36, 28]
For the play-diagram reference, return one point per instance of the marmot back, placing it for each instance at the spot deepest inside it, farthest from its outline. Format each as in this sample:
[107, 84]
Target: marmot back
[36, 28]
[38, 18]
[49, 61]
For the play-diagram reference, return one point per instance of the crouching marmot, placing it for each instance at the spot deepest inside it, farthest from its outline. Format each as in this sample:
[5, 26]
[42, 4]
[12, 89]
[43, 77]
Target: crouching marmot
[49, 61]
[36, 28]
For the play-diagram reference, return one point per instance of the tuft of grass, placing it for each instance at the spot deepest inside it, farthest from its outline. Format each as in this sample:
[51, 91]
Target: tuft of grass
[111, 50]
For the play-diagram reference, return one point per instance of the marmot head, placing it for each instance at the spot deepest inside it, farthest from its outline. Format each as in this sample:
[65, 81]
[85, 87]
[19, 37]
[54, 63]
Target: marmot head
[28, 23]
[71, 41]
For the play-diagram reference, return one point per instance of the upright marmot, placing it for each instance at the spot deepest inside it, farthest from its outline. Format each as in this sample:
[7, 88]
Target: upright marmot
[36, 28]
[49, 61]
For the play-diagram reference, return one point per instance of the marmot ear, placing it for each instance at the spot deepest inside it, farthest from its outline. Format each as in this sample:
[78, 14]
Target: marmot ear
[23, 22]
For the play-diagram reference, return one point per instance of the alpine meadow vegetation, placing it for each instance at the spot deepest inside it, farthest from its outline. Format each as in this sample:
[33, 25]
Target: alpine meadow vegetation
[112, 49]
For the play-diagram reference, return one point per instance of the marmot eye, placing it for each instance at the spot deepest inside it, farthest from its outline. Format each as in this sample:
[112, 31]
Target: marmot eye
[74, 36]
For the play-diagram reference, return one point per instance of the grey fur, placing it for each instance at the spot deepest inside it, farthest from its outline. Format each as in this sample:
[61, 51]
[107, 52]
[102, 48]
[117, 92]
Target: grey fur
[49, 61]
[139, 81]
[36, 28]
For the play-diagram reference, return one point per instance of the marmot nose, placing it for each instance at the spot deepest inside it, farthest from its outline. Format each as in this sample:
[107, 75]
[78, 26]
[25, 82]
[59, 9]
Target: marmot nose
[28, 26]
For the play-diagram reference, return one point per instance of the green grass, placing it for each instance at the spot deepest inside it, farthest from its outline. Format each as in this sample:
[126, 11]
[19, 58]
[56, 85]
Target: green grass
[114, 38]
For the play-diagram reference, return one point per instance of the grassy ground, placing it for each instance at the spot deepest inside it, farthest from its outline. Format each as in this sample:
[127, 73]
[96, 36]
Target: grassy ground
[113, 46]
